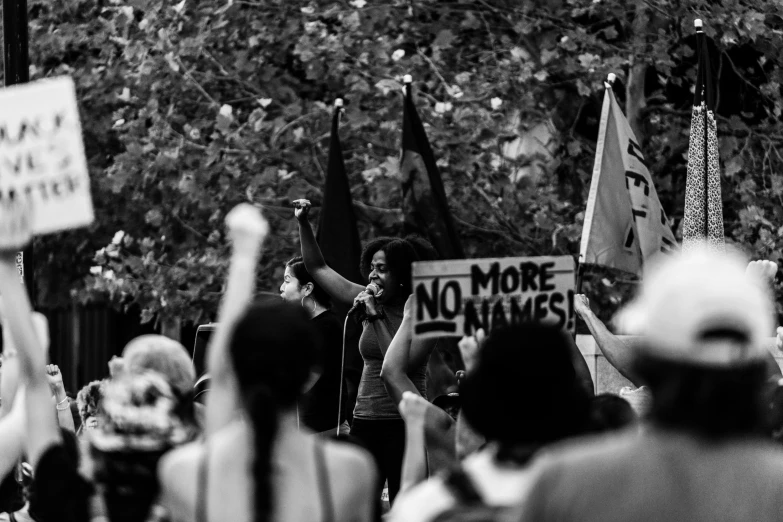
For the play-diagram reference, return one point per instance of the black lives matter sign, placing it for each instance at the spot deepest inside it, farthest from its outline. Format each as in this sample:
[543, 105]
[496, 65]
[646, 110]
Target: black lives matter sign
[42, 154]
[456, 298]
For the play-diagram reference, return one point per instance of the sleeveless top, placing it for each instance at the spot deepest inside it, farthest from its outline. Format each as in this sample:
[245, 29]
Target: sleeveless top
[373, 401]
[322, 477]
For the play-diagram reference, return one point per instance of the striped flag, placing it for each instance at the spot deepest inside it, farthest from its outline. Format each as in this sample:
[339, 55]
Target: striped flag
[424, 198]
[703, 218]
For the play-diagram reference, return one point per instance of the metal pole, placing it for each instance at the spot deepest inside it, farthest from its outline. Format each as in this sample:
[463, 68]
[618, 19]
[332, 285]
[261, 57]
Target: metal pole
[16, 61]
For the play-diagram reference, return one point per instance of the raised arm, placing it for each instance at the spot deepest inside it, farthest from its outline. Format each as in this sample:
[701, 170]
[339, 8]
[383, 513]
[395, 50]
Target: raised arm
[338, 287]
[64, 416]
[247, 230]
[403, 356]
[15, 233]
[619, 354]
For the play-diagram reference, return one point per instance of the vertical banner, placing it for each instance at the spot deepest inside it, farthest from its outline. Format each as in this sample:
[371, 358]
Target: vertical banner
[42, 154]
[338, 235]
[703, 219]
[424, 200]
[456, 298]
[625, 224]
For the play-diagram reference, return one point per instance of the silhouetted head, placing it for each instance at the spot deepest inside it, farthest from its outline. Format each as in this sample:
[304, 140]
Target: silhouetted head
[523, 391]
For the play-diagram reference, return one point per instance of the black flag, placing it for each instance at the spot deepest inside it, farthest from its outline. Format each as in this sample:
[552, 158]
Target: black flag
[424, 198]
[337, 234]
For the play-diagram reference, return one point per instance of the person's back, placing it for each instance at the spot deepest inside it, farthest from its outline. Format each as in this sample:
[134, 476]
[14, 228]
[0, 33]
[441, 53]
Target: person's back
[313, 479]
[502, 401]
[658, 475]
[254, 463]
[702, 455]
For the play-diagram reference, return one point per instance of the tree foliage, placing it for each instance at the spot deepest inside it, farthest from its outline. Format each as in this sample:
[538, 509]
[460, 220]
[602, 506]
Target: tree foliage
[189, 108]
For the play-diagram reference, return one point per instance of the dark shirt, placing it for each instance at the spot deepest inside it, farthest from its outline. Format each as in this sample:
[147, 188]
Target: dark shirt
[59, 493]
[318, 408]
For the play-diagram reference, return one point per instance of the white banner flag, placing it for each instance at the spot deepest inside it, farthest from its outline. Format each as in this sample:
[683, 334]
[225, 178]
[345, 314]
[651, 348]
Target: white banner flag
[625, 224]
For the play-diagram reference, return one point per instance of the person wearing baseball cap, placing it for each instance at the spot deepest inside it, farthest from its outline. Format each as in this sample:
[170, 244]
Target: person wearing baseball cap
[702, 456]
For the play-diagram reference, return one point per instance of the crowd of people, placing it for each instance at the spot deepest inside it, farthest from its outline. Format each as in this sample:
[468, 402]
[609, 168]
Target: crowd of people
[525, 438]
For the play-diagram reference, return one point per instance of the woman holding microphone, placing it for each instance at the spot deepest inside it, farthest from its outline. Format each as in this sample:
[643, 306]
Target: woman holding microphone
[386, 262]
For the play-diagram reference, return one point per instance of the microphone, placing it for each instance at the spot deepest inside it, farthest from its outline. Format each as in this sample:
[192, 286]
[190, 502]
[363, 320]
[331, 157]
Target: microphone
[371, 289]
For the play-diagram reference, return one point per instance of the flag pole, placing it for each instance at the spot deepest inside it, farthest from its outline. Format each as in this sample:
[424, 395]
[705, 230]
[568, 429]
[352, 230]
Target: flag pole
[338, 106]
[407, 80]
[580, 269]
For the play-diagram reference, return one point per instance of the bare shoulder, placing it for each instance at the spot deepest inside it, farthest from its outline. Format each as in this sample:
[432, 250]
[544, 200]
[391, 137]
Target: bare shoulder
[178, 473]
[343, 457]
[184, 458]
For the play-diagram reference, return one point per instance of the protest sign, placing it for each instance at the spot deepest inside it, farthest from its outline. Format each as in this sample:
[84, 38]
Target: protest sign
[456, 298]
[42, 154]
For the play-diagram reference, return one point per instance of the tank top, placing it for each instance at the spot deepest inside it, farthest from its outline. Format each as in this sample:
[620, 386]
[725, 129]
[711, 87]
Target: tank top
[322, 477]
[373, 401]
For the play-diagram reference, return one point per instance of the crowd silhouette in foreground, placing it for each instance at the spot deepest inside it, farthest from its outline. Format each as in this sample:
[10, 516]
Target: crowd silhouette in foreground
[696, 437]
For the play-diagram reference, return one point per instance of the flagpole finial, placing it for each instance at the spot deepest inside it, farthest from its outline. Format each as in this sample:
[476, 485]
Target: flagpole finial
[698, 24]
[610, 78]
[407, 79]
[338, 102]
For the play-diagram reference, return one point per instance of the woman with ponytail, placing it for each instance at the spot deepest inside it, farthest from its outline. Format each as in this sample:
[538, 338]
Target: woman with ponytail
[319, 408]
[255, 465]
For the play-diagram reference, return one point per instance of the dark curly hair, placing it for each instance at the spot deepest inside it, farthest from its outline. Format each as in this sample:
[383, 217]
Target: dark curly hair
[89, 400]
[400, 254]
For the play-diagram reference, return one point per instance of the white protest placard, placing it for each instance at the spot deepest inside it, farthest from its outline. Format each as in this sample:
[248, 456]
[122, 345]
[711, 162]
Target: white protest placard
[456, 298]
[42, 154]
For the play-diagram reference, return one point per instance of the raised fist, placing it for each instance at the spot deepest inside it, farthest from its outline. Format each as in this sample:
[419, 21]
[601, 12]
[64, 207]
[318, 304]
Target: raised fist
[55, 377]
[469, 348]
[301, 209]
[762, 271]
[247, 228]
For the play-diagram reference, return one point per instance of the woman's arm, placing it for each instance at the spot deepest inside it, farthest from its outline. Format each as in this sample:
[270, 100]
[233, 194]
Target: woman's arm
[62, 404]
[413, 408]
[403, 356]
[617, 353]
[15, 234]
[12, 434]
[247, 230]
[338, 287]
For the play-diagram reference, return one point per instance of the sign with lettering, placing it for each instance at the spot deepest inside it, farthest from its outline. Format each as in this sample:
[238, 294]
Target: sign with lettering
[456, 298]
[42, 154]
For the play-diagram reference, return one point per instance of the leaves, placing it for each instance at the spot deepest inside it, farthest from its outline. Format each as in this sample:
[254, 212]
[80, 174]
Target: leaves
[191, 107]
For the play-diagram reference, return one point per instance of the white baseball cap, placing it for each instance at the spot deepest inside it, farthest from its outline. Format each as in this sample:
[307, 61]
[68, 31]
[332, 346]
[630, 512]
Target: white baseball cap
[700, 307]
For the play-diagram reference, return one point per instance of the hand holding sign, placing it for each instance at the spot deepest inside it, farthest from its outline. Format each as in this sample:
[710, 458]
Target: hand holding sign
[15, 226]
[581, 305]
